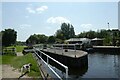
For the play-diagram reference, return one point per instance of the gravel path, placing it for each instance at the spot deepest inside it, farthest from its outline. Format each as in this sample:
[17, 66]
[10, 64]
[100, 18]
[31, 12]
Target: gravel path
[19, 54]
[0, 72]
[10, 72]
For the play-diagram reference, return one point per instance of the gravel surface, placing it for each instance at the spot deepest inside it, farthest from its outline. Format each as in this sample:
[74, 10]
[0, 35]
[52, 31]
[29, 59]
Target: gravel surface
[19, 54]
[10, 72]
[0, 72]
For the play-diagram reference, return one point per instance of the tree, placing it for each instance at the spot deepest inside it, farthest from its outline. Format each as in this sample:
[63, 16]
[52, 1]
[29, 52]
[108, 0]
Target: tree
[42, 38]
[82, 35]
[51, 39]
[37, 39]
[9, 37]
[32, 39]
[59, 35]
[66, 32]
[107, 35]
[91, 34]
[72, 33]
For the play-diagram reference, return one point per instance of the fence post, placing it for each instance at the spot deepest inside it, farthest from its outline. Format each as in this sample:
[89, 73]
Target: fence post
[47, 60]
[75, 49]
[5, 51]
[66, 73]
[41, 54]
[15, 51]
[62, 49]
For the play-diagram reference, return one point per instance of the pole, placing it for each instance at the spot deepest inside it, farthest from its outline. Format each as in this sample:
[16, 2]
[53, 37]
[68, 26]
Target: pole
[108, 26]
[62, 49]
[66, 73]
[47, 60]
[75, 49]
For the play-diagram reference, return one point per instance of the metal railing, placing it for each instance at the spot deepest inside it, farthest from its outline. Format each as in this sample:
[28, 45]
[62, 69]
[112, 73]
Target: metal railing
[47, 63]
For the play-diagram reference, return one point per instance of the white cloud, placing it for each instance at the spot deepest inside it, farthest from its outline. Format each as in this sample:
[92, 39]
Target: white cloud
[37, 10]
[25, 26]
[87, 26]
[57, 20]
[41, 9]
[30, 10]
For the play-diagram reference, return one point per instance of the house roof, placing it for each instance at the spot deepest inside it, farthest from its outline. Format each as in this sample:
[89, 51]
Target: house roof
[77, 39]
[96, 39]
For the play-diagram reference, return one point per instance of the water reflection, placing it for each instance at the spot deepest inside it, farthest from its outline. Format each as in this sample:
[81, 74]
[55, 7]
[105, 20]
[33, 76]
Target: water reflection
[103, 65]
[78, 71]
[117, 65]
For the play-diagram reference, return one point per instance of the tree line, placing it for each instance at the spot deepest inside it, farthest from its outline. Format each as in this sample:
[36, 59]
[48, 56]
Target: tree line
[65, 32]
[110, 37]
[8, 37]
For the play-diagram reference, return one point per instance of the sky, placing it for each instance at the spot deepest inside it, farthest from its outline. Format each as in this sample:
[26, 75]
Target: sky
[119, 15]
[28, 18]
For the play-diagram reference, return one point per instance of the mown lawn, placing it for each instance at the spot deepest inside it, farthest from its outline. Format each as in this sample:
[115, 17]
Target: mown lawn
[0, 59]
[18, 61]
[18, 48]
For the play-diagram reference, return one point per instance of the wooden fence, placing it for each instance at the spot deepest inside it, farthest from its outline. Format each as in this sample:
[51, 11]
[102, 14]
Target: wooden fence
[9, 51]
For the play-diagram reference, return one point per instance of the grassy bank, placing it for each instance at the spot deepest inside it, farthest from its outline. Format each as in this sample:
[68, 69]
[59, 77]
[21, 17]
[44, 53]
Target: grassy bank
[18, 61]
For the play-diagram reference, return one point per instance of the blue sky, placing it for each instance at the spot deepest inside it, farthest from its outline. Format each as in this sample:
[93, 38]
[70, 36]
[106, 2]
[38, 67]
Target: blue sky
[28, 18]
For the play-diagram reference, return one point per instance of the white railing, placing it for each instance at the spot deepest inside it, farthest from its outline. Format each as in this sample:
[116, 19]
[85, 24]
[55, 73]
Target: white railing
[47, 63]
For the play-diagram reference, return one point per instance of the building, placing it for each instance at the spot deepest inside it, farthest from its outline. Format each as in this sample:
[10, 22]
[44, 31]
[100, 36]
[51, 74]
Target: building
[97, 42]
[78, 40]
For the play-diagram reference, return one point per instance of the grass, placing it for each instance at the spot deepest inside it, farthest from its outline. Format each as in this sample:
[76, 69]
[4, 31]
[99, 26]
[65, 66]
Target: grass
[0, 59]
[18, 48]
[7, 59]
[18, 61]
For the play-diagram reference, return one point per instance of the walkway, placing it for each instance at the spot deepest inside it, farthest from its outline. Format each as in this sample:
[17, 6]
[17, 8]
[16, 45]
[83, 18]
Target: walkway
[10, 72]
[69, 53]
[19, 54]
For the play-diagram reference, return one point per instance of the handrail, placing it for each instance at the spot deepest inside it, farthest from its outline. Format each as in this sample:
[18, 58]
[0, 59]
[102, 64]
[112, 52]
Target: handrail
[54, 60]
[47, 63]
[49, 67]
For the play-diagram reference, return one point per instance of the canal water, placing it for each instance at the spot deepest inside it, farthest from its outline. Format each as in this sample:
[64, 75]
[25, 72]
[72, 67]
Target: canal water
[100, 65]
